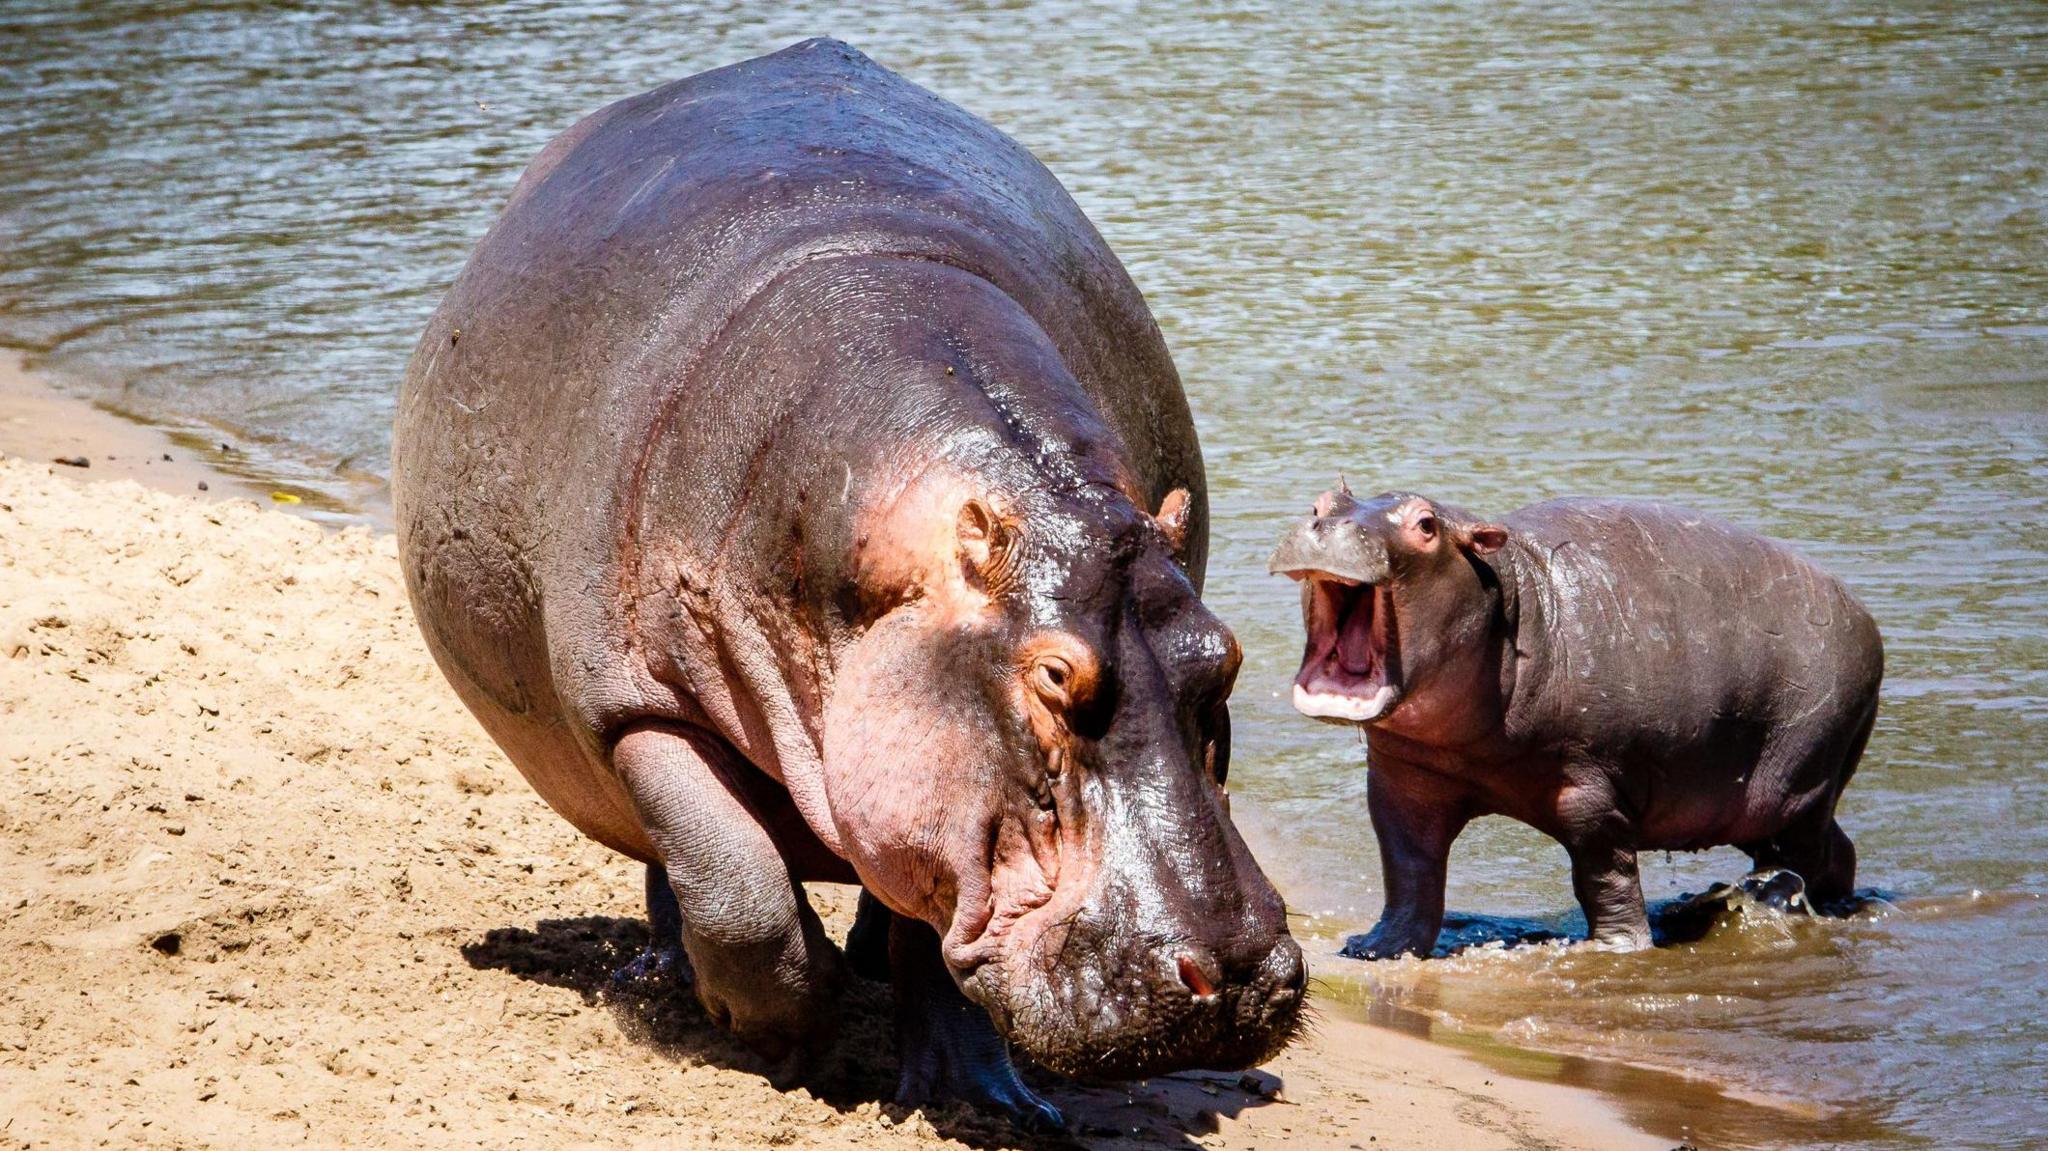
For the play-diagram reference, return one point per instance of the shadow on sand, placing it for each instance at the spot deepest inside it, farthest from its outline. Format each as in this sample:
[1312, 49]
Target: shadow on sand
[581, 955]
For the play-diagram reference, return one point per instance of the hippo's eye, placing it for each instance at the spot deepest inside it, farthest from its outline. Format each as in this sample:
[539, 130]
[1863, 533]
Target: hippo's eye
[1427, 526]
[1055, 679]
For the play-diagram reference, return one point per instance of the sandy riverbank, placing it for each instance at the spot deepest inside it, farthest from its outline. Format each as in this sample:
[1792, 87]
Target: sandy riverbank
[263, 881]
[42, 424]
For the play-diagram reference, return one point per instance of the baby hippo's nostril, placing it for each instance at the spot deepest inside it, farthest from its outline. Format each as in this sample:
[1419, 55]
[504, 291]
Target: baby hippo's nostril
[1196, 972]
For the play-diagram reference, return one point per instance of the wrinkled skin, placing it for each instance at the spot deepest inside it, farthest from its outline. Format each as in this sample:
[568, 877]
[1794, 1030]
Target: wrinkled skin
[1621, 676]
[798, 489]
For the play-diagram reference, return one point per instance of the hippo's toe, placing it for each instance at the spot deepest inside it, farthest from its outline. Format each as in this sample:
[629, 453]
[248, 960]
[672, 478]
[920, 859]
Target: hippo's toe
[656, 968]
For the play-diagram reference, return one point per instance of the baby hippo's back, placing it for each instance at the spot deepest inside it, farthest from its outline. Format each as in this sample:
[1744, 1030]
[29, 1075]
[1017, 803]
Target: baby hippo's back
[1730, 673]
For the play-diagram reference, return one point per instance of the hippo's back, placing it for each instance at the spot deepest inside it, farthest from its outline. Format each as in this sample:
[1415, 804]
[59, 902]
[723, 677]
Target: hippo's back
[572, 342]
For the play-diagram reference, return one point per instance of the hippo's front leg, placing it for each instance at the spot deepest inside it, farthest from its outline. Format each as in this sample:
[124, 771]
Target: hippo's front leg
[948, 1047]
[1416, 819]
[763, 964]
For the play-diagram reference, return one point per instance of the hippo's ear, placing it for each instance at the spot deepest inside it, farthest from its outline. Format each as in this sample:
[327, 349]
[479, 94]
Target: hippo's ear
[1173, 519]
[1485, 539]
[985, 544]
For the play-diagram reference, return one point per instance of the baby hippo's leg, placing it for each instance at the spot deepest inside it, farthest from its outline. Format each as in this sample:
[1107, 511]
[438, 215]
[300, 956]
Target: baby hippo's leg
[1811, 842]
[764, 966]
[1416, 819]
[1611, 893]
[1834, 872]
[1600, 836]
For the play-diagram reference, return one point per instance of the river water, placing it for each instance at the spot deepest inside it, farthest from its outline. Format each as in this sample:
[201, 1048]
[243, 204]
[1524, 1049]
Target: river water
[1788, 264]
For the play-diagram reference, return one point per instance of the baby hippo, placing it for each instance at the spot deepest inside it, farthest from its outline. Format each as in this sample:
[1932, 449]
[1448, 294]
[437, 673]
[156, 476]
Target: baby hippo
[1620, 676]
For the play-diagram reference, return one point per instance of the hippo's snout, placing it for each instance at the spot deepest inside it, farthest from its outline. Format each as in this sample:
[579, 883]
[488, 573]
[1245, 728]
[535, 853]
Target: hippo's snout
[1265, 997]
[1096, 1006]
[1156, 969]
[1331, 545]
[1280, 984]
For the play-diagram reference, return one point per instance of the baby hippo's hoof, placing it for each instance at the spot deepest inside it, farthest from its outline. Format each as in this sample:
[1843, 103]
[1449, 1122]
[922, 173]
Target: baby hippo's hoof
[1778, 889]
[655, 969]
[1360, 947]
[1387, 943]
[1692, 916]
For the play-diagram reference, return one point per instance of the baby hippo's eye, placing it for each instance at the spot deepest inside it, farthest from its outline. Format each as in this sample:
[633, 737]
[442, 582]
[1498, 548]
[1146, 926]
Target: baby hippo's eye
[1427, 526]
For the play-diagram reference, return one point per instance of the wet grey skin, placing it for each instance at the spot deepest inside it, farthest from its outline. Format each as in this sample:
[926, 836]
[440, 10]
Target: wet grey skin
[798, 489]
[1621, 676]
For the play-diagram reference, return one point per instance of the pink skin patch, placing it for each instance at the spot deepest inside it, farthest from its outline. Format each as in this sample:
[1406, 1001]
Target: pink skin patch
[955, 848]
[1345, 676]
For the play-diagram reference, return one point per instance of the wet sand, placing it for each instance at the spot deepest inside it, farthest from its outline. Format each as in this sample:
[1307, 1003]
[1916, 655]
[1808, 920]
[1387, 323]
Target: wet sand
[44, 425]
[264, 881]
[41, 424]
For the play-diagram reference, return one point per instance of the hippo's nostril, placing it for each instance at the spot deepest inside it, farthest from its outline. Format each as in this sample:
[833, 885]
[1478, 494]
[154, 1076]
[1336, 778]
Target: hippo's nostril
[1192, 974]
[1286, 967]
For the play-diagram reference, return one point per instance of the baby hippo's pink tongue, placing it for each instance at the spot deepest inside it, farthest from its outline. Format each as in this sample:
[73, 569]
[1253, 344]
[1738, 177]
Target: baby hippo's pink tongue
[1356, 651]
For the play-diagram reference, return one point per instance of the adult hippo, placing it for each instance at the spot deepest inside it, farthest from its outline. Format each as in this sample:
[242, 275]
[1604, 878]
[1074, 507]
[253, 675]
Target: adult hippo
[798, 489]
[1621, 676]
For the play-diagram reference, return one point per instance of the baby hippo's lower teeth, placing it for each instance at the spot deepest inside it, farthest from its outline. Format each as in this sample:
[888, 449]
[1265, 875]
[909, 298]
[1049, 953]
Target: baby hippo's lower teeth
[1331, 705]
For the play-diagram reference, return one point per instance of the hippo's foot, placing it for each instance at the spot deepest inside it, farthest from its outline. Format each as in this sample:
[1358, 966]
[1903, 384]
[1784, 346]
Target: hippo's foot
[949, 1049]
[663, 963]
[656, 968]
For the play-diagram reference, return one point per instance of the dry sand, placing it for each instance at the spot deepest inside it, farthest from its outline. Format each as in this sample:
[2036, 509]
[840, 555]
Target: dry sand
[264, 882]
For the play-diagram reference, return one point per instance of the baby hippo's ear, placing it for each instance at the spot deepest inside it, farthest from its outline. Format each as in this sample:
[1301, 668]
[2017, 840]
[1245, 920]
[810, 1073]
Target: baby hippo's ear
[1484, 539]
[1173, 519]
[986, 545]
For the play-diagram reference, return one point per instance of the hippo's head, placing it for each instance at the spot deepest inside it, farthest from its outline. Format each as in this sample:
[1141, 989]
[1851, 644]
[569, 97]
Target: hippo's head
[1392, 599]
[1026, 747]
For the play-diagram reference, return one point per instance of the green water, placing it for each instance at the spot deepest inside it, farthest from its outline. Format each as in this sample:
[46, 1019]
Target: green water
[1786, 264]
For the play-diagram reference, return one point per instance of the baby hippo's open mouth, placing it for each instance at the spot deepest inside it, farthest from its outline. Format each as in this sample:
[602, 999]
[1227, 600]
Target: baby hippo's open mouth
[1345, 675]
